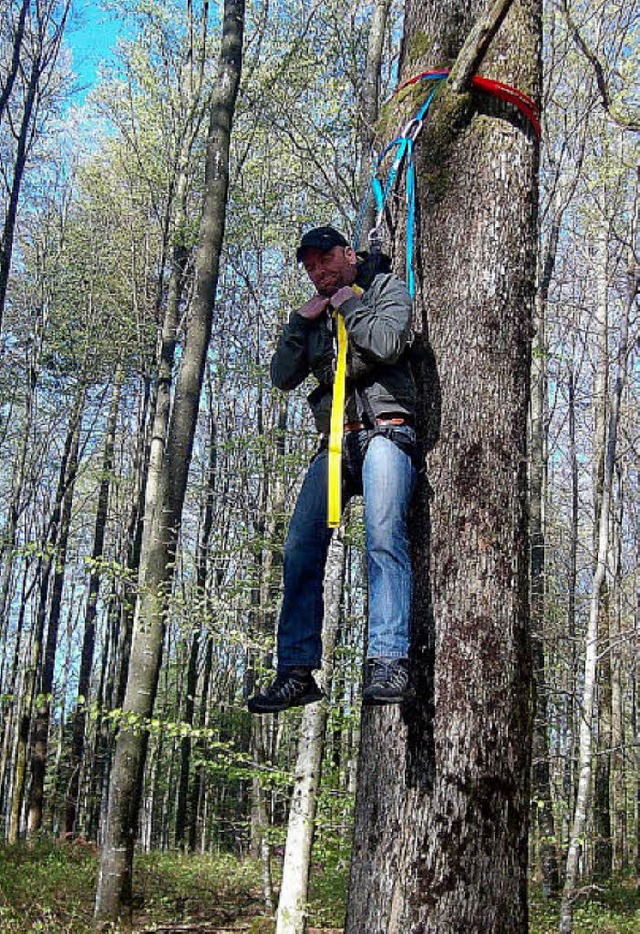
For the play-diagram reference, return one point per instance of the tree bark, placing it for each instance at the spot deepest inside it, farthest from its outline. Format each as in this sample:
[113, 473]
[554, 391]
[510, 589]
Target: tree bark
[369, 108]
[591, 655]
[541, 781]
[89, 637]
[291, 917]
[113, 898]
[443, 792]
[619, 753]
[57, 561]
[601, 810]
[194, 648]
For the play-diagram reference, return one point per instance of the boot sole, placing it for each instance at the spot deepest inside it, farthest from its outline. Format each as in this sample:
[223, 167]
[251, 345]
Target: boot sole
[383, 701]
[273, 708]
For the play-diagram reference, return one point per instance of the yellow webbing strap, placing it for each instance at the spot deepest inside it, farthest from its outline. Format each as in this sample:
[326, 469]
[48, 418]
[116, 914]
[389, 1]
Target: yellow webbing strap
[334, 492]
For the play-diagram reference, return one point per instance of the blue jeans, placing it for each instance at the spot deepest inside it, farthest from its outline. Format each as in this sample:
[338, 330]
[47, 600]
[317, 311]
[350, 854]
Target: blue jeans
[382, 470]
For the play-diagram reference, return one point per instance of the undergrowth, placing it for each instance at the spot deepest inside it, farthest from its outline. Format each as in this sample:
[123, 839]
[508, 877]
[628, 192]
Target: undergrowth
[49, 889]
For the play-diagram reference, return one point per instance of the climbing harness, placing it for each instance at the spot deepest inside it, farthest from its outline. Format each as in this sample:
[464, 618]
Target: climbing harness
[403, 147]
[336, 430]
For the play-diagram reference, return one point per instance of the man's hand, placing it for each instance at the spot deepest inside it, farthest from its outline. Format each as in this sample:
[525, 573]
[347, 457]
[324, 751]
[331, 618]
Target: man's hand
[313, 308]
[341, 296]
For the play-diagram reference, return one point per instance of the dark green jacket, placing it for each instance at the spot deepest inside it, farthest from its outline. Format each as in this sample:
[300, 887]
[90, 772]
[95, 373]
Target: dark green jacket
[379, 377]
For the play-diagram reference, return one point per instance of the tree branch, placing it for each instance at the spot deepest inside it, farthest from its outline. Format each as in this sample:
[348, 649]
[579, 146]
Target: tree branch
[475, 47]
[623, 121]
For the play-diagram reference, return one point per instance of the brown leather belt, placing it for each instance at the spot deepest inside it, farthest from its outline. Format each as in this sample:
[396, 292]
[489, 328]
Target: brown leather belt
[360, 426]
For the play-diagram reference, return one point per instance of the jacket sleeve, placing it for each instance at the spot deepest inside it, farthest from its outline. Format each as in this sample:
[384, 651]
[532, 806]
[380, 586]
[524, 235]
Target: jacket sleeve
[379, 333]
[290, 362]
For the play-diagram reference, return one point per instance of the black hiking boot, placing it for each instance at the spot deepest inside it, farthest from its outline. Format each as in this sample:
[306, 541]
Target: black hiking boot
[386, 681]
[294, 688]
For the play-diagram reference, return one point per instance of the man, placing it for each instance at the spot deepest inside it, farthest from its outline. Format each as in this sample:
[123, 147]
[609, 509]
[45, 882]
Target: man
[379, 454]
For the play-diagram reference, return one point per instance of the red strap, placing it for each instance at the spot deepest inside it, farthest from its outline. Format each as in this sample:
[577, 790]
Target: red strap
[526, 105]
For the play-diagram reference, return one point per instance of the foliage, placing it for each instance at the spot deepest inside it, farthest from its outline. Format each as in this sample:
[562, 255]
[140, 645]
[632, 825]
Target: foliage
[48, 889]
[611, 910]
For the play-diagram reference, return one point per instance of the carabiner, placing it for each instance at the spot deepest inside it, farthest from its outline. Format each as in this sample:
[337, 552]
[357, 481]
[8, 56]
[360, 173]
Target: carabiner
[412, 129]
[375, 238]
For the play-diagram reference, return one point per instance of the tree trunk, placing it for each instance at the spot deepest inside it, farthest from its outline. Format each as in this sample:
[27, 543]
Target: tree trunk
[601, 810]
[59, 559]
[194, 649]
[37, 65]
[541, 782]
[619, 754]
[443, 792]
[14, 67]
[292, 905]
[113, 898]
[369, 107]
[591, 654]
[89, 637]
[572, 587]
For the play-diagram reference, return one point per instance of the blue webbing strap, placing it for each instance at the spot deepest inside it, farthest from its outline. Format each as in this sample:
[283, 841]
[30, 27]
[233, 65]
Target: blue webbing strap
[405, 151]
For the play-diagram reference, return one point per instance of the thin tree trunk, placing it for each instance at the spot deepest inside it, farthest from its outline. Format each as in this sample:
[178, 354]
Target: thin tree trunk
[572, 586]
[89, 637]
[601, 810]
[618, 737]
[369, 107]
[541, 781]
[292, 905]
[15, 503]
[113, 898]
[443, 793]
[40, 62]
[14, 689]
[192, 670]
[591, 655]
[14, 67]
[34, 668]
[43, 710]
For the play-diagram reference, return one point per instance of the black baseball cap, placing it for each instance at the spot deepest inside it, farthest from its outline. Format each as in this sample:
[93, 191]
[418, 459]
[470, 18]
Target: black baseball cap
[322, 238]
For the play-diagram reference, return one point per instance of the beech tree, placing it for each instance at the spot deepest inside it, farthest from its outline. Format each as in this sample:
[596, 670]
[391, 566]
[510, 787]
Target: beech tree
[113, 897]
[443, 790]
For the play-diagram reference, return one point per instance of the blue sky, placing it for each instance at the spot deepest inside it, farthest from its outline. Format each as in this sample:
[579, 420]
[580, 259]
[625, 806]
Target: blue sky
[91, 35]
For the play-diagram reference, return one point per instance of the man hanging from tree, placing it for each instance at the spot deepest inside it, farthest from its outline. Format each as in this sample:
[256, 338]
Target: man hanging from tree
[378, 460]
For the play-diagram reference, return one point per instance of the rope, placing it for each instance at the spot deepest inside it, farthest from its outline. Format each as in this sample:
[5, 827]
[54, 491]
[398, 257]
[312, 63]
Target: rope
[404, 146]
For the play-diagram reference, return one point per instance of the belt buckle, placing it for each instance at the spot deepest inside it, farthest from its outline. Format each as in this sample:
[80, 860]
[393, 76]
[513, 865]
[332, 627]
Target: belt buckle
[391, 421]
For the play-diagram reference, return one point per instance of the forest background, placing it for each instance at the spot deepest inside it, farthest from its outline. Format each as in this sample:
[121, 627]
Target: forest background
[99, 205]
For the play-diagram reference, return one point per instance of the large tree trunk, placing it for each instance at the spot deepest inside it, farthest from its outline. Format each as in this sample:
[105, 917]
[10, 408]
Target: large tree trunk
[443, 796]
[113, 898]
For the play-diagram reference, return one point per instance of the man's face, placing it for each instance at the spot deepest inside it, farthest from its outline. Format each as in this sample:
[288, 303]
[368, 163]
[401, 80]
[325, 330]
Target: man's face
[330, 270]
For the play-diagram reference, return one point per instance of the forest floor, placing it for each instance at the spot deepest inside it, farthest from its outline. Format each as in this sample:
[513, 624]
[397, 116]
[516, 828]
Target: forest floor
[49, 889]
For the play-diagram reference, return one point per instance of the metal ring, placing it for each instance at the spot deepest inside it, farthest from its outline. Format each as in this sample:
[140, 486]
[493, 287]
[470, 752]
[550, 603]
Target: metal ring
[412, 129]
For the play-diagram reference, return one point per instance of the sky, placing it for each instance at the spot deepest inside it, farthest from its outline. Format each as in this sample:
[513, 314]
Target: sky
[91, 36]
